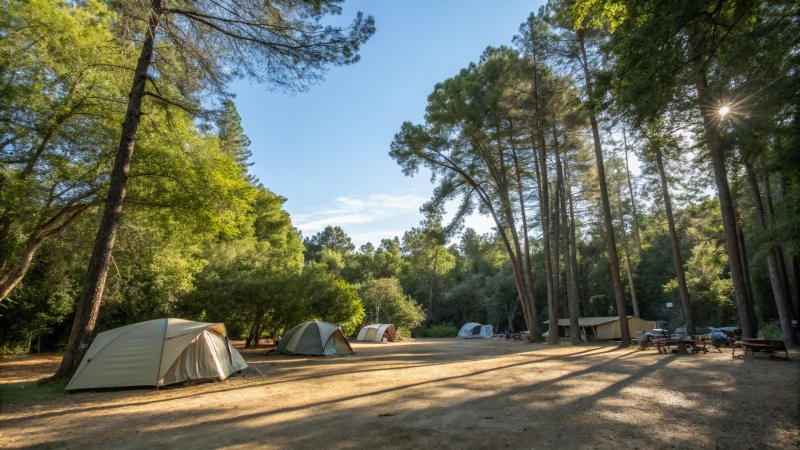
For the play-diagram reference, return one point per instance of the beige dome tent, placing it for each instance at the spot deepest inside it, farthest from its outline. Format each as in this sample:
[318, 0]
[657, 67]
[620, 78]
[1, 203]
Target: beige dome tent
[315, 338]
[156, 353]
[603, 328]
[376, 331]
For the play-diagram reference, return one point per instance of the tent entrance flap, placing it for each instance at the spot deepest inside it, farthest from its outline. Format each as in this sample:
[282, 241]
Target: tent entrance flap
[370, 336]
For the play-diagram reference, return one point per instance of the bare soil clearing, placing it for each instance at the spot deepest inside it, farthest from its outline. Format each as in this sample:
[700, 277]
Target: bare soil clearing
[434, 393]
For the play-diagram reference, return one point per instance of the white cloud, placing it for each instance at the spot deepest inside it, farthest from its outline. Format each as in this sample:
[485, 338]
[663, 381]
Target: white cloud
[353, 210]
[378, 216]
[375, 236]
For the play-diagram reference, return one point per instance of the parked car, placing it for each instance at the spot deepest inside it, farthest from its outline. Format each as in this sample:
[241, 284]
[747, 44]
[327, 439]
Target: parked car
[699, 333]
[657, 333]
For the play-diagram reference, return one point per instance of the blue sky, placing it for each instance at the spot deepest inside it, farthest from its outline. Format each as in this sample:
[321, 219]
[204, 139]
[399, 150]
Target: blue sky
[326, 150]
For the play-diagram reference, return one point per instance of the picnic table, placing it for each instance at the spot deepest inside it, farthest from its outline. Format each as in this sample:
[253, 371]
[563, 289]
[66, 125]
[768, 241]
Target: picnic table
[664, 346]
[767, 346]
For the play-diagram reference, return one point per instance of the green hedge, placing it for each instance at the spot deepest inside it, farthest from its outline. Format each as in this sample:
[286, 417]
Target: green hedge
[445, 330]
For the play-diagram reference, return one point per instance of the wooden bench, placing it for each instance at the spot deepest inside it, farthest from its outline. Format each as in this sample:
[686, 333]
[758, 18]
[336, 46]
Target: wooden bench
[768, 346]
[664, 346]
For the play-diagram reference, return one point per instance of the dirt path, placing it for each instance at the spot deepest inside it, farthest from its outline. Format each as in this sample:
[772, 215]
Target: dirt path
[445, 393]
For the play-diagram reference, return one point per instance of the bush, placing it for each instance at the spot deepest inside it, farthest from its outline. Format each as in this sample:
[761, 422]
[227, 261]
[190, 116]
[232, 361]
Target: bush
[445, 330]
[770, 330]
[404, 334]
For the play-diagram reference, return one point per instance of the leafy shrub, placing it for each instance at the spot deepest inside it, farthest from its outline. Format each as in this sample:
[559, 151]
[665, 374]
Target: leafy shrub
[404, 334]
[770, 330]
[445, 330]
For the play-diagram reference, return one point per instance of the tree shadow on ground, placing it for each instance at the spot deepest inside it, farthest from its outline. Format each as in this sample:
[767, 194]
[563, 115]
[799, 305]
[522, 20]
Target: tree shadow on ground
[590, 398]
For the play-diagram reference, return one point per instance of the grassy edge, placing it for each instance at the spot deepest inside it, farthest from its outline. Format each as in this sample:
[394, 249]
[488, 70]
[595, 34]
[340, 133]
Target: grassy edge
[30, 392]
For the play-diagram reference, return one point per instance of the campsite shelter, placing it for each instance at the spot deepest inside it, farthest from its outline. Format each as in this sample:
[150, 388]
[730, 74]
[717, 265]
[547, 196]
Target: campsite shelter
[315, 338]
[474, 330]
[376, 331]
[603, 328]
[156, 353]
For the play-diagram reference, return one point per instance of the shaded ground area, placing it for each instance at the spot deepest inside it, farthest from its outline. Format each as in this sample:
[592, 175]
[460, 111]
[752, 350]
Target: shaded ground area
[433, 393]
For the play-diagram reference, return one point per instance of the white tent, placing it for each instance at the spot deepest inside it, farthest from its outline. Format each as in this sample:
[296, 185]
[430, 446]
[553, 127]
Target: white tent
[376, 331]
[157, 353]
[474, 330]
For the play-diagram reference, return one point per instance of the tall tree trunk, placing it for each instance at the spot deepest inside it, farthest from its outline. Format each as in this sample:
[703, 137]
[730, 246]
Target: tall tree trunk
[636, 235]
[526, 291]
[783, 303]
[680, 275]
[705, 100]
[433, 279]
[257, 335]
[743, 253]
[613, 258]
[544, 208]
[796, 277]
[781, 197]
[556, 225]
[92, 294]
[628, 266]
[510, 313]
[573, 239]
[526, 300]
[556, 240]
[779, 260]
[250, 335]
[515, 254]
[571, 276]
[526, 257]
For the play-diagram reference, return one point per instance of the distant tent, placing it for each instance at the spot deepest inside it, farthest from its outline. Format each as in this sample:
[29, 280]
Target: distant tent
[156, 353]
[474, 330]
[376, 331]
[603, 328]
[315, 338]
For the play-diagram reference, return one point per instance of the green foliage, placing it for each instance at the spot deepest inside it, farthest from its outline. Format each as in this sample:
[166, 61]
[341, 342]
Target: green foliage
[333, 239]
[384, 302]
[770, 330]
[445, 330]
[200, 237]
[30, 392]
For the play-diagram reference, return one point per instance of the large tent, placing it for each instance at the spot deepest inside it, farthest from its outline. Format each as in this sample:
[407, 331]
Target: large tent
[474, 330]
[603, 328]
[376, 332]
[315, 338]
[157, 353]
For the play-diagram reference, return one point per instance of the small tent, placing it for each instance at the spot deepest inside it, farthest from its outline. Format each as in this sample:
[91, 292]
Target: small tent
[475, 330]
[157, 353]
[315, 338]
[603, 328]
[376, 332]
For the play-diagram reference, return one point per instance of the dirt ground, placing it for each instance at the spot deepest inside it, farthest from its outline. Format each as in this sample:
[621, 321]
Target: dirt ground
[434, 393]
